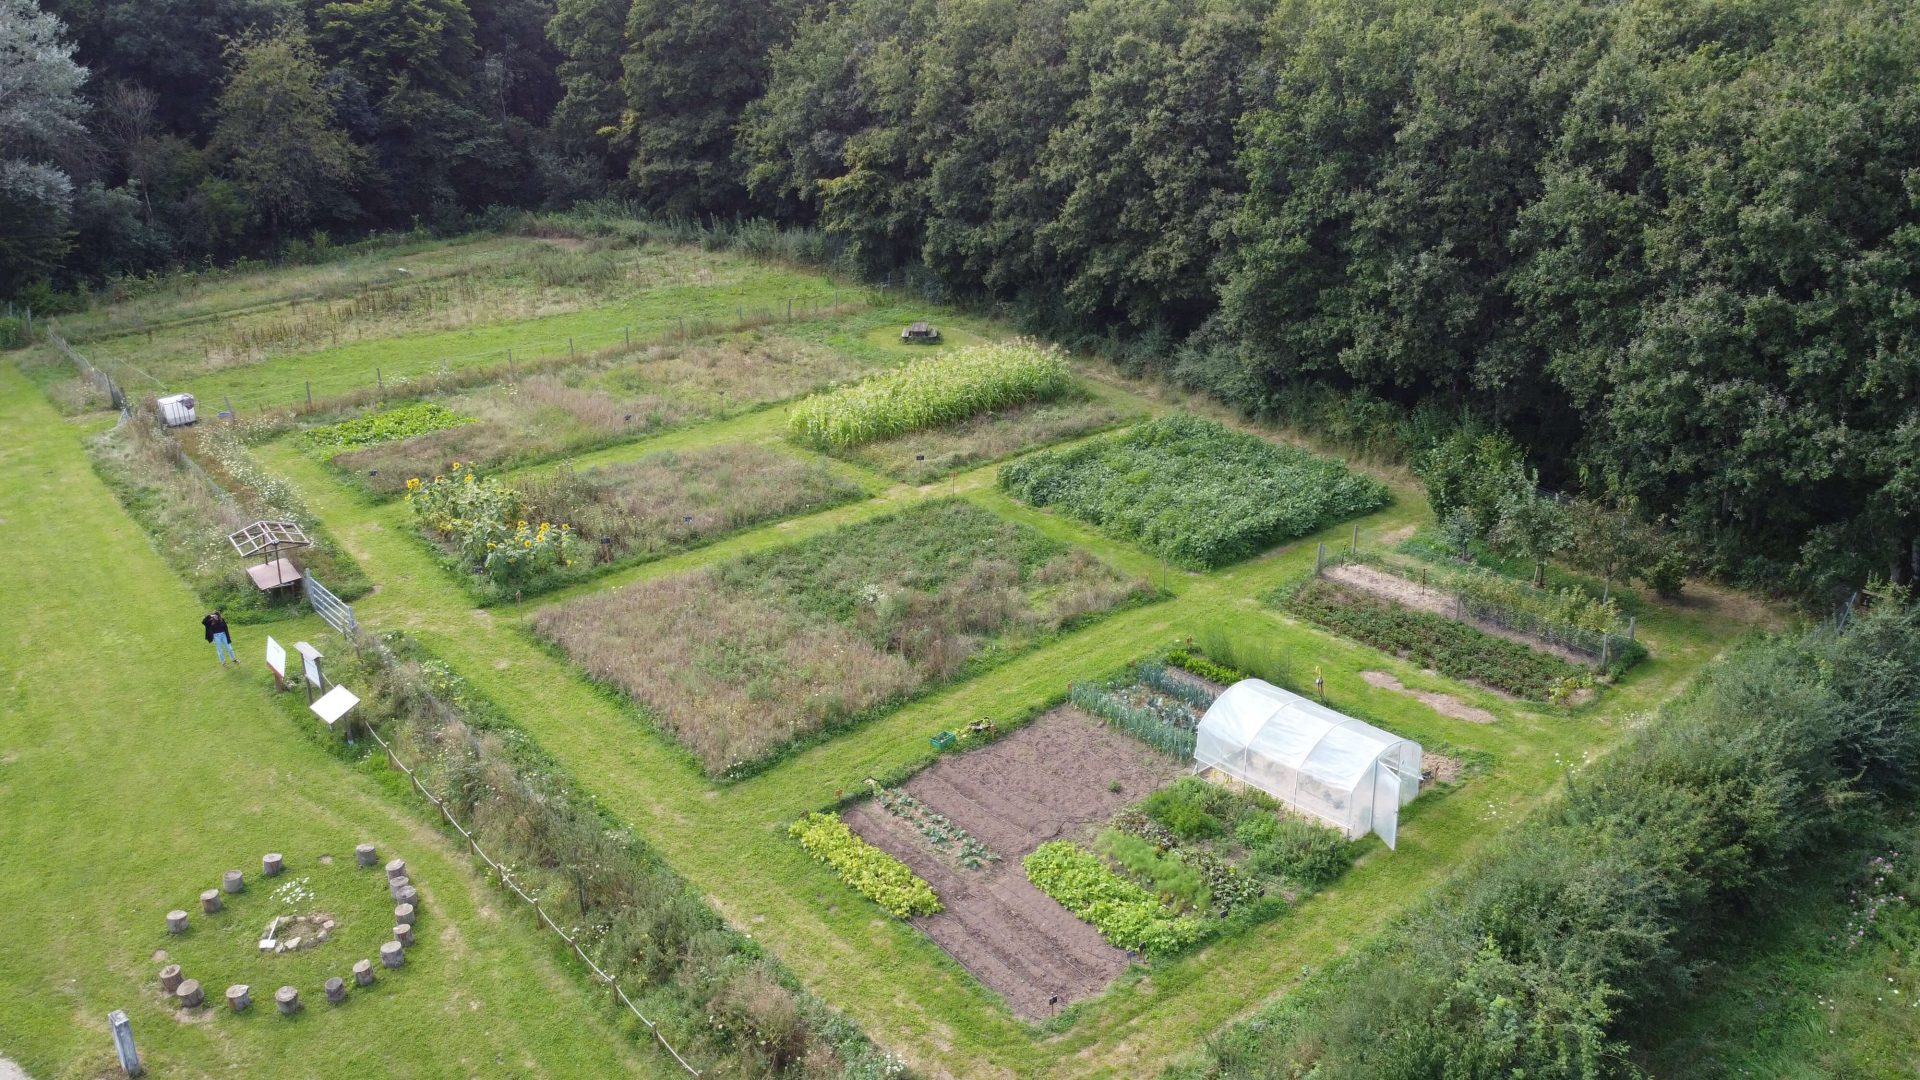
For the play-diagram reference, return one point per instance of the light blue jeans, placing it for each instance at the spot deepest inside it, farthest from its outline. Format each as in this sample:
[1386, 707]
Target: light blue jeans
[225, 648]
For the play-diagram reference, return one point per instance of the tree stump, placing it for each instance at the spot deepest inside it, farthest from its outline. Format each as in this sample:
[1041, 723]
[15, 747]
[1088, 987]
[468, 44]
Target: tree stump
[366, 855]
[287, 999]
[176, 922]
[210, 901]
[410, 896]
[397, 868]
[363, 973]
[271, 864]
[239, 996]
[404, 914]
[394, 885]
[393, 954]
[403, 934]
[189, 994]
[170, 978]
[233, 881]
[336, 990]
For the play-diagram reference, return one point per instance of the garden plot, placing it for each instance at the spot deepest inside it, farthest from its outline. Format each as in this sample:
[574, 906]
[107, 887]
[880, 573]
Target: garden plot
[924, 456]
[566, 524]
[578, 409]
[1193, 491]
[1060, 776]
[743, 658]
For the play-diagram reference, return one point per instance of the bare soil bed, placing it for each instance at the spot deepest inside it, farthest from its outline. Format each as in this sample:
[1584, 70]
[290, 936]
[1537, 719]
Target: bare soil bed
[1444, 704]
[1050, 780]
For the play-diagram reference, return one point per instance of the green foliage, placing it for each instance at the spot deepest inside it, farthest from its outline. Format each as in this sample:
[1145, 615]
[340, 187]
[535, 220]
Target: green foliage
[1186, 808]
[1124, 913]
[1195, 664]
[1451, 648]
[402, 423]
[1193, 491]
[1173, 881]
[1588, 921]
[276, 131]
[930, 393]
[941, 831]
[872, 873]
[1294, 848]
[1164, 719]
[480, 519]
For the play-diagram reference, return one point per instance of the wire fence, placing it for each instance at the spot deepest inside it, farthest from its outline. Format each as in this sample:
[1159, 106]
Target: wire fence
[98, 378]
[431, 372]
[1598, 648]
[505, 875]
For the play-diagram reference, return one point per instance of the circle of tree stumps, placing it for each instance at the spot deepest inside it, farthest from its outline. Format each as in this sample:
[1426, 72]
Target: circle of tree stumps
[188, 994]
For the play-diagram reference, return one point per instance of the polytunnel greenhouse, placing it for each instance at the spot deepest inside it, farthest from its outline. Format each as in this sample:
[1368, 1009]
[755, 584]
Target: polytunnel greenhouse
[1343, 771]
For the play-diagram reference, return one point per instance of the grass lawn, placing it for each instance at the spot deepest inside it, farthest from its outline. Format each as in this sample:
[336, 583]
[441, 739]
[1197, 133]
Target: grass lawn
[730, 838]
[134, 770]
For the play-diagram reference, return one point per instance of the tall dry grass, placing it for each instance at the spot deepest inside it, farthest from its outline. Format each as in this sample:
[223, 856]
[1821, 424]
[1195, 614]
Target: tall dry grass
[728, 675]
[740, 659]
[578, 409]
[674, 498]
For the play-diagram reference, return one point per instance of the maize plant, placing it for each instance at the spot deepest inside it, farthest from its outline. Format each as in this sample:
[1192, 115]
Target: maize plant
[930, 393]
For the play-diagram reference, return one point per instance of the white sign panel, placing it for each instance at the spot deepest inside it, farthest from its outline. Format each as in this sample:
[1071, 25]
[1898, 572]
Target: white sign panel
[310, 657]
[276, 657]
[334, 704]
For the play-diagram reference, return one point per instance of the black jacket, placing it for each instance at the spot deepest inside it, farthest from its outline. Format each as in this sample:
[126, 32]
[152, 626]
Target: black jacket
[216, 625]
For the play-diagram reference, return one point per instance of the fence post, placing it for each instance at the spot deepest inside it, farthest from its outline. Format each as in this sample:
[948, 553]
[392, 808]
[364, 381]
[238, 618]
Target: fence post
[309, 393]
[1320, 559]
[509, 363]
[1353, 546]
[1631, 620]
[789, 309]
[229, 400]
[626, 332]
[683, 328]
[379, 384]
[569, 346]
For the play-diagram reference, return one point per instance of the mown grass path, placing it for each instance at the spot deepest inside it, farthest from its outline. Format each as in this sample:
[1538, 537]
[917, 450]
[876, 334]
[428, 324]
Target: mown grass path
[729, 839]
[134, 770]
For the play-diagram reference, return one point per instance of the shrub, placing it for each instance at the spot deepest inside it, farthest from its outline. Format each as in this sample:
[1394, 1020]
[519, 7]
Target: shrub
[1294, 848]
[392, 425]
[1124, 913]
[873, 873]
[930, 393]
[1195, 492]
[1184, 809]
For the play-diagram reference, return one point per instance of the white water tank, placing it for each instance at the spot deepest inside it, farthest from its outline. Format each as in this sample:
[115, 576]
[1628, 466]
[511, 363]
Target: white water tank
[177, 410]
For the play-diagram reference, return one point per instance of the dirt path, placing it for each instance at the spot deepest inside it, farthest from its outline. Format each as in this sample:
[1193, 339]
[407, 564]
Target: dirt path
[1052, 779]
[1444, 704]
[1012, 936]
[1421, 598]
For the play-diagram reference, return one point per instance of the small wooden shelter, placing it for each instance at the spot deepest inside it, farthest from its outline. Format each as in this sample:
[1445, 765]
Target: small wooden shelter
[271, 537]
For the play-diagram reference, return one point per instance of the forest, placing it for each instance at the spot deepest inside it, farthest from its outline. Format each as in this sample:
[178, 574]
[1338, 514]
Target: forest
[1668, 247]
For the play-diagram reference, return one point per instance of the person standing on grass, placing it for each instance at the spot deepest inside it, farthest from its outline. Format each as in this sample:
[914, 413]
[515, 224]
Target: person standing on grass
[218, 634]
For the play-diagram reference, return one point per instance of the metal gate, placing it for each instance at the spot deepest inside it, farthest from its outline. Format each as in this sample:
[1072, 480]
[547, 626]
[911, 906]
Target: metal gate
[337, 612]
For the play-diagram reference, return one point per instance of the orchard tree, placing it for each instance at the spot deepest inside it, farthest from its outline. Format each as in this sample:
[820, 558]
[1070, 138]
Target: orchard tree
[276, 136]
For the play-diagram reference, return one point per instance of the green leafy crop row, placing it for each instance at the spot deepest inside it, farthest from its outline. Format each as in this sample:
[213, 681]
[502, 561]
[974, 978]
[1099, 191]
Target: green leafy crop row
[930, 393]
[1195, 492]
[404, 422]
[1451, 648]
[873, 873]
[1124, 913]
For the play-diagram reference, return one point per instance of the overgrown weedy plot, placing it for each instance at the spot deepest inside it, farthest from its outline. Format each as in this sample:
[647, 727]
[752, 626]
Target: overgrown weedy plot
[1193, 491]
[737, 660]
